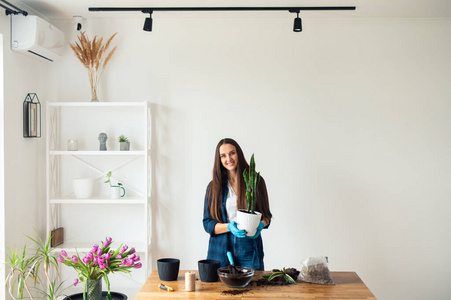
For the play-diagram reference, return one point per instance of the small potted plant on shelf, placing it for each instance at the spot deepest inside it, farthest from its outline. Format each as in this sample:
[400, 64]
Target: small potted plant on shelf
[97, 264]
[249, 219]
[124, 143]
[117, 191]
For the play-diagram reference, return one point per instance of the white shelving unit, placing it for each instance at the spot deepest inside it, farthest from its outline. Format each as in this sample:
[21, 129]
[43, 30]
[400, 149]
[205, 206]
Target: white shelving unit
[88, 221]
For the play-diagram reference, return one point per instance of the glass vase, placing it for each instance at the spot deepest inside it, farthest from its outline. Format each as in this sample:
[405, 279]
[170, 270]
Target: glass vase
[94, 94]
[94, 289]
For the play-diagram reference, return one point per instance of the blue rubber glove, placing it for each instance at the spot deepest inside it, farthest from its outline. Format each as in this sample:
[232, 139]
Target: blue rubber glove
[259, 229]
[235, 231]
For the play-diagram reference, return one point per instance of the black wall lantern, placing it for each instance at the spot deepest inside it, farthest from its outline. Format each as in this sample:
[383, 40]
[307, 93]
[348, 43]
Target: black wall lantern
[31, 116]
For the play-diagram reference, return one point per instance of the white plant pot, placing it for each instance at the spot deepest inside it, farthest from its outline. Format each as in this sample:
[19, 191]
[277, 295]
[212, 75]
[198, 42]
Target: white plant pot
[247, 221]
[83, 187]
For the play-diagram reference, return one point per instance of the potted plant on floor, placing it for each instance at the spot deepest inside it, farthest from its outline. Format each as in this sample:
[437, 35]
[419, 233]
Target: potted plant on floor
[37, 265]
[249, 219]
[124, 143]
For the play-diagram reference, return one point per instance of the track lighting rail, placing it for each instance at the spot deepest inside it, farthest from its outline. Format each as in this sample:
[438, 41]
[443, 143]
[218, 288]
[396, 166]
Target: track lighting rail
[263, 8]
[11, 9]
[297, 27]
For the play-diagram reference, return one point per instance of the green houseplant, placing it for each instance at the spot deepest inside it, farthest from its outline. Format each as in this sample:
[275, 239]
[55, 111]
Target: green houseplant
[249, 219]
[287, 276]
[20, 273]
[124, 143]
[252, 179]
[37, 266]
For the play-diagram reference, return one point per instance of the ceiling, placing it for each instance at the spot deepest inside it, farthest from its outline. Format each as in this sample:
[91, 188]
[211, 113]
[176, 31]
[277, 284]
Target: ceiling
[65, 9]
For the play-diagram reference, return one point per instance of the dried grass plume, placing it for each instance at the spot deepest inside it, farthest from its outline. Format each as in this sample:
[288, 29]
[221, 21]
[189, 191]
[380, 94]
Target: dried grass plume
[94, 56]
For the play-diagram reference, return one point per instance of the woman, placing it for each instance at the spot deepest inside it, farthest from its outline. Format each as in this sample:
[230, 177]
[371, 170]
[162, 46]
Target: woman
[225, 194]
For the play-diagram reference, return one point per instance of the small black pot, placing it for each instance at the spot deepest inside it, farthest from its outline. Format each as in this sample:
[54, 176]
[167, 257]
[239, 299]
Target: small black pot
[168, 268]
[208, 270]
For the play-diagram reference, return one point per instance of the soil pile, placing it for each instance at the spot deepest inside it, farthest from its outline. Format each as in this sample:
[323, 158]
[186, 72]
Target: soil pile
[235, 292]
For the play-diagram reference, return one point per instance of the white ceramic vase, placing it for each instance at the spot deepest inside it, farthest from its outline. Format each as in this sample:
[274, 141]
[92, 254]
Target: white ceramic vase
[83, 187]
[247, 221]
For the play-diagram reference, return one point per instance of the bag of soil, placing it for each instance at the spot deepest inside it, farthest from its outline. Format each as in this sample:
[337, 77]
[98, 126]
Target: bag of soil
[315, 270]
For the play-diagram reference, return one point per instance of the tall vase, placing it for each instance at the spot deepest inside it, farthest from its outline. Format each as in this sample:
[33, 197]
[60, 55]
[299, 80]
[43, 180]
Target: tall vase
[94, 94]
[94, 289]
[93, 80]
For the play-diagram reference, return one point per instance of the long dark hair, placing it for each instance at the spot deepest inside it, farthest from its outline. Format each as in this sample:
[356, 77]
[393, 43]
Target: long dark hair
[219, 177]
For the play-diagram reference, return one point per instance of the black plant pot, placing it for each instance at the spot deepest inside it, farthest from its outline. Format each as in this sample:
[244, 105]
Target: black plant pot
[114, 295]
[208, 270]
[168, 268]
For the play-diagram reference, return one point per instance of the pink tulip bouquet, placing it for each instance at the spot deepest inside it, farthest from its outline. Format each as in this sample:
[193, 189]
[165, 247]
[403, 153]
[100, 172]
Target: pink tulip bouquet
[101, 261]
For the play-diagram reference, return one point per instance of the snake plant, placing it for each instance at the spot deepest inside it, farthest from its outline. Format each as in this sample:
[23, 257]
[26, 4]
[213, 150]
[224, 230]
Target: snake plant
[252, 179]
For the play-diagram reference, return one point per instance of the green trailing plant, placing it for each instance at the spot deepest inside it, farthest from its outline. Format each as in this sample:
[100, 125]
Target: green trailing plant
[251, 179]
[108, 177]
[280, 273]
[123, 138]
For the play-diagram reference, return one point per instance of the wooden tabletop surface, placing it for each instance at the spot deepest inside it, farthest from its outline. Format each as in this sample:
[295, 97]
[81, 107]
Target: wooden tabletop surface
[348, 286]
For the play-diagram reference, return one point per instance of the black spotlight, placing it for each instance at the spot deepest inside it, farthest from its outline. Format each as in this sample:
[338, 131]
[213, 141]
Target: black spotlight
[148, 23]
[297, 27]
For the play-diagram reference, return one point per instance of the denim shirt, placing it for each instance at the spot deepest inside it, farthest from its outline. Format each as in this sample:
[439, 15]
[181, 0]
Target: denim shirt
[246, 252]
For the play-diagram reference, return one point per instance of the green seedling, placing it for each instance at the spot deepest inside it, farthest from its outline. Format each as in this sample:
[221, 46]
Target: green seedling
[278, 273]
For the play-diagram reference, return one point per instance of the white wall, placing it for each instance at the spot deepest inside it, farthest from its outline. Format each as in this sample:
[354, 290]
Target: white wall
[2, 176]
[348, 121]
[24, 166]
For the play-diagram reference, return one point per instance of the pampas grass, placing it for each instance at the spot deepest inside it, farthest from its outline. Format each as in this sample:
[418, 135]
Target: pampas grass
[94, 56]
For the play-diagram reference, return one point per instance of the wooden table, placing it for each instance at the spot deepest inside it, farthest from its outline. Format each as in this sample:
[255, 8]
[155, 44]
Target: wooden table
[348, 286]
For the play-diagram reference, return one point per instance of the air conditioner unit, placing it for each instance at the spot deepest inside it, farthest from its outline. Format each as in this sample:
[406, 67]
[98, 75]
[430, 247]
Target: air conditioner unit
[36, 37]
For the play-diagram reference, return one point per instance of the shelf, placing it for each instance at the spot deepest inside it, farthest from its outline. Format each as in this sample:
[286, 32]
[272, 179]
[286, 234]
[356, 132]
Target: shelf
[79, 153]
[131, 200]
[84, 220]
[98, 104]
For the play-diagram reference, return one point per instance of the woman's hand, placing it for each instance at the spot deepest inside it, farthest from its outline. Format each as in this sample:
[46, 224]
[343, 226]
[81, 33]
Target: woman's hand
[259, 229]
[235, 231]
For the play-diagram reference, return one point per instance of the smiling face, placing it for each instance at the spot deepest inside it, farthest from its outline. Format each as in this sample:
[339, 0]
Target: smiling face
[229, 157]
